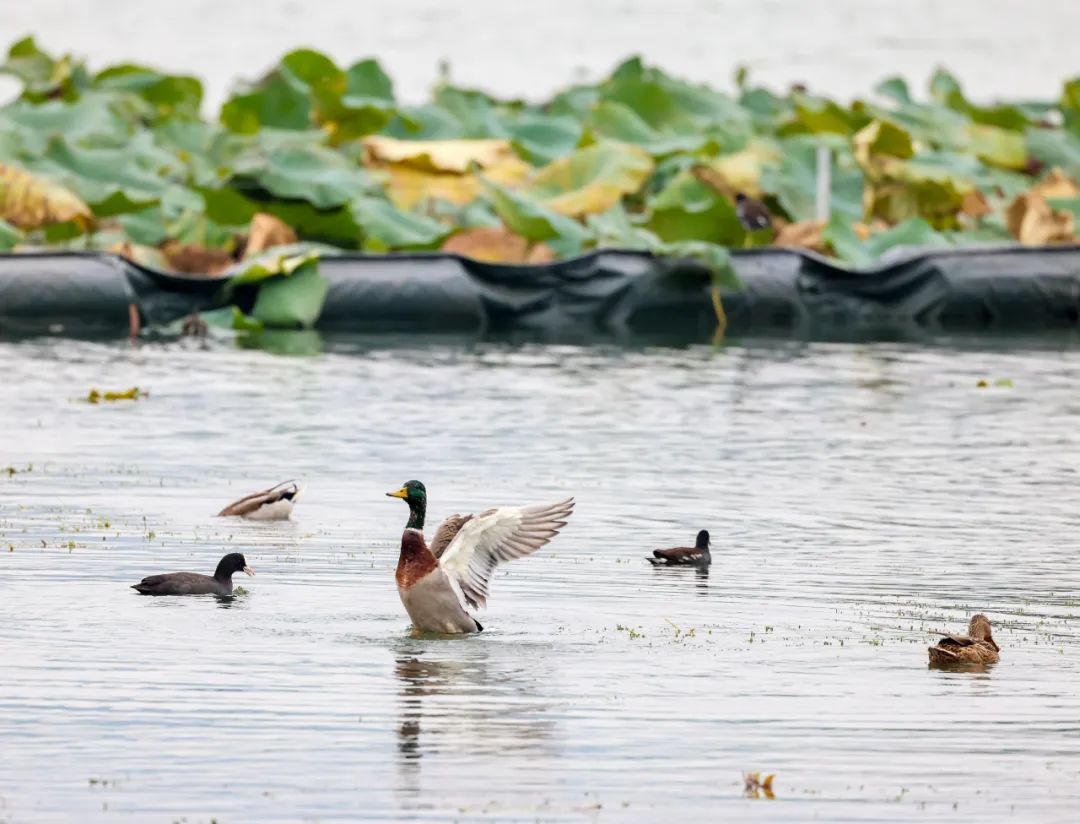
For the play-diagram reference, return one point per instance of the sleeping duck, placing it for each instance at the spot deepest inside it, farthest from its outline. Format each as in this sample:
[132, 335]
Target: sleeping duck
[977, 647]
[437, 582]
[696, 555]
[273, 504]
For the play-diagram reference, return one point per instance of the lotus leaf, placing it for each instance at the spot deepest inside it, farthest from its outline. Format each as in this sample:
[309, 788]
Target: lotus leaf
[386, 227]
[9, 235]
[529, 218]
[296, 300]
[322, 177]
[591, 180]
[27, 201]
[793, 181]
[495, 244]
[689, 210]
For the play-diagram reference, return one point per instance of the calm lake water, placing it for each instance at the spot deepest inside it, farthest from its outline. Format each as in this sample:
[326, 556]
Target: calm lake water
[1000, 48]
[859, 497]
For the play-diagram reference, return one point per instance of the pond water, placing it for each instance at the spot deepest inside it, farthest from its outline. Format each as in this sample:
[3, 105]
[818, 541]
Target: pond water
[999, 48]
[860, 498]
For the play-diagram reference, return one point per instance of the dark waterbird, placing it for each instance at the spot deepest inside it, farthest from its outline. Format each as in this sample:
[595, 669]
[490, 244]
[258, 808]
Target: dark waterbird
[192, 583]
[696, 555]
[752, 213]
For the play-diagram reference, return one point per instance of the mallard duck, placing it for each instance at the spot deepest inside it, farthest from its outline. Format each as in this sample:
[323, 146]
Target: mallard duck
[696, 555]
[192, 583]
[436, 583]
[273, 504]
[977, 647]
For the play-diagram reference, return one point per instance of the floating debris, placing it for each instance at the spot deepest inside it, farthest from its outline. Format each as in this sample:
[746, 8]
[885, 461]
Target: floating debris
[755, 786]
[132, 394]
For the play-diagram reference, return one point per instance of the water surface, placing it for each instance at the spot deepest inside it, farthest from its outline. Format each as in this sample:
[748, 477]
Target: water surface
[999, 48]
[860, 497]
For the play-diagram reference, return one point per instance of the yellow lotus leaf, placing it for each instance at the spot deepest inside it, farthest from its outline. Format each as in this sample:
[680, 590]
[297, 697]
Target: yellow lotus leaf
[1033, 222]
[592, 180]
[737, 172]
[29, 202]
[407, 186]
[417, 170]
[497, 244]
[996, 146]
[455, 156]
[897, 188]
[1057, 184]
[879, 146]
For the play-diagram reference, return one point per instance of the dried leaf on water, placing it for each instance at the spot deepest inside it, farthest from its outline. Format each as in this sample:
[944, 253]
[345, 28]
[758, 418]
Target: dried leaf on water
[132, 394]
[755, 785]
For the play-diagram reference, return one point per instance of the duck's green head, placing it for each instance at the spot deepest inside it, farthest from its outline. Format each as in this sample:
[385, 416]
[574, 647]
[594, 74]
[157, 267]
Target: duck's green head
[414, 494]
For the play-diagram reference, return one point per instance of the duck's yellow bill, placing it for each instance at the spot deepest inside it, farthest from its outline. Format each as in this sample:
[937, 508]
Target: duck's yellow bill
[398, 493]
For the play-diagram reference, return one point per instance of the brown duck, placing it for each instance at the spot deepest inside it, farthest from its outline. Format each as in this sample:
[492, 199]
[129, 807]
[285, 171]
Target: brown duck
[977, 647]
[696, 555]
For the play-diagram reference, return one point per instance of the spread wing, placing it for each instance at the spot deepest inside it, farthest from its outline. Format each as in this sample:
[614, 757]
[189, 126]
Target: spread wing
[446, 533]
[484, 541]
[286, 490]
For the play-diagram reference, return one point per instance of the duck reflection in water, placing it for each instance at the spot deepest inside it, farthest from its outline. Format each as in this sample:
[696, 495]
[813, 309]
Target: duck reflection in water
[465, 705]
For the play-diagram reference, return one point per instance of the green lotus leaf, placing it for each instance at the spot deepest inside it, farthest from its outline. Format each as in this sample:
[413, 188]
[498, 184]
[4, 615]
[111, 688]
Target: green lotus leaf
[277, 102]
[526, 216]
[9, 235]
[43, 76]
[793, 181]
[1055, 147]
[617, 121]
[320, 176]
[591, 180]
[542, 139]
[669, 105]
[123, 178]
[171, 95]
[386, 227]
[687, 209]
[296, 300]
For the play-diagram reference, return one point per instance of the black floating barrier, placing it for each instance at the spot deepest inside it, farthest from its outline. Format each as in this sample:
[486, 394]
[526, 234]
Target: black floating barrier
[792, 293]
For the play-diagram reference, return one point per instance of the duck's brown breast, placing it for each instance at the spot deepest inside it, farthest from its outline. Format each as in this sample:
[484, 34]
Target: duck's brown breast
[415, 560]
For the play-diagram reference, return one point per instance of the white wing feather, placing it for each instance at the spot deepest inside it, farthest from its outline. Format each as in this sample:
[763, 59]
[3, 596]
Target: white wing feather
[497, 536]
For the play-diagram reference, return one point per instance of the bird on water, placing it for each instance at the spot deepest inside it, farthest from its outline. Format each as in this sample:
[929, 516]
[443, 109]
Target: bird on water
[273, 504]
[192, 583]
[977, 647]
[436, 583]
[696, 555]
